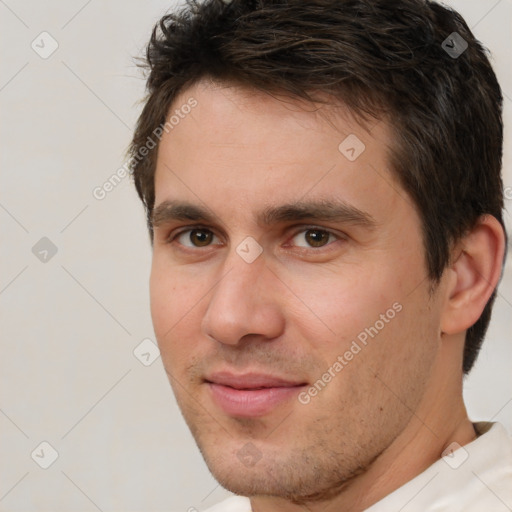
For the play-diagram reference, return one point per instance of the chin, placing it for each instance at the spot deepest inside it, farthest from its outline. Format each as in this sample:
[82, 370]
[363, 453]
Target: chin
[296, 478]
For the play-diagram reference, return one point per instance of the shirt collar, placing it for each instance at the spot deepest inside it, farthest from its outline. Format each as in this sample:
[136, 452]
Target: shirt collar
[460, 480]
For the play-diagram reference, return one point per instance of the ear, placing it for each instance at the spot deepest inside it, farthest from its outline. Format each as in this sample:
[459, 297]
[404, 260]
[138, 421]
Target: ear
[473, 274]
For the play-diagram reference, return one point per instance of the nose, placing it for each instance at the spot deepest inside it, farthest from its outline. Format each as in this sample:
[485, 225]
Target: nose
[244, 302]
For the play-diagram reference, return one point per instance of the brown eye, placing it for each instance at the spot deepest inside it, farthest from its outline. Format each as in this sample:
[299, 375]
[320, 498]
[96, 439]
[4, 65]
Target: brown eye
[317, 238]
[313, 238]
[195, 237]
[200, 237]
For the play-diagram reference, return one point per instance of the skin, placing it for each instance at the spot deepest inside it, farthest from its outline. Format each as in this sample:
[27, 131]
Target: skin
[393, 408]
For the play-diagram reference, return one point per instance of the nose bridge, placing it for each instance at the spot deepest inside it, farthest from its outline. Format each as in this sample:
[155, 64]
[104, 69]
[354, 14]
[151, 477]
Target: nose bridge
[242, 301]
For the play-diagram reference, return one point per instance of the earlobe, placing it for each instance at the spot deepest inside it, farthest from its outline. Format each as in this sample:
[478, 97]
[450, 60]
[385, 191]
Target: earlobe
[474, 274]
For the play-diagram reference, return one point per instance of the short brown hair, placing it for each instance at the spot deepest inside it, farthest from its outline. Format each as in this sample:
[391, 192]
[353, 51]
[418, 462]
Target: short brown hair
[376, 56]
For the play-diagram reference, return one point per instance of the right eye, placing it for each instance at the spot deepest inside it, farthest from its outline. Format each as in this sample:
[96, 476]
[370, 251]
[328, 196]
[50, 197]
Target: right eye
[194, 238]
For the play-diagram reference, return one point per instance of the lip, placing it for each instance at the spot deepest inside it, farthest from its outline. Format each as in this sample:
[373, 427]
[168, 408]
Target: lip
[251, 394]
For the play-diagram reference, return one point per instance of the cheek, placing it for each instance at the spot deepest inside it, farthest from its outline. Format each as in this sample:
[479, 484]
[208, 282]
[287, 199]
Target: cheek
[402, 354]
[338, 305]
[175, 305]
[162, 293]
[369, 312]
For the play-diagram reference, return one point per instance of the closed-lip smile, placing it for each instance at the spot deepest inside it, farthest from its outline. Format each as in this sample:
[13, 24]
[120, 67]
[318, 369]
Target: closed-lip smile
[251, 394]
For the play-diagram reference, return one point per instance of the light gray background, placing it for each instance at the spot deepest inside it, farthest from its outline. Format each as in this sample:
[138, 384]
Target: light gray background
[70, 325]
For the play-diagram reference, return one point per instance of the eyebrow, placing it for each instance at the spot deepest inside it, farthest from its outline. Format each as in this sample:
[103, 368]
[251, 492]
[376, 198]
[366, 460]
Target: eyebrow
[323, 210]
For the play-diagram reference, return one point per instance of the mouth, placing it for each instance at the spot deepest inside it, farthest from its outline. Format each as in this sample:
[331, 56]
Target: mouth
[251, 394]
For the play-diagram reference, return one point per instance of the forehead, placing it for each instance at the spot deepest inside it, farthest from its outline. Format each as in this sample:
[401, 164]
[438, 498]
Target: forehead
[223, 103]
[238, 147]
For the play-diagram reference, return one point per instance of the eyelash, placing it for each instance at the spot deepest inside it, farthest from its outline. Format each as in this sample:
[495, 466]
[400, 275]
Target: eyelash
[173, 236]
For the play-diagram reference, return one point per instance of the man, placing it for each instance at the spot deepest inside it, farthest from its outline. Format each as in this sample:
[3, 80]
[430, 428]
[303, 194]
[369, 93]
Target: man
[325, 211]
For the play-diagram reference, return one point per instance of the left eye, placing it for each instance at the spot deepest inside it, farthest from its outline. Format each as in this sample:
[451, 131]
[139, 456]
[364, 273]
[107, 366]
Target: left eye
[314, 237]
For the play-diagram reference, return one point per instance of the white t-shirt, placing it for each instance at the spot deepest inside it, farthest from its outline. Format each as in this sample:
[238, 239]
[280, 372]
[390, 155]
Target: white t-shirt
[475, 478]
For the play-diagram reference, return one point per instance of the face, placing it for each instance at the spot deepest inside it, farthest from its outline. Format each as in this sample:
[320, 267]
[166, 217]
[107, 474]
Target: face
[288, 290]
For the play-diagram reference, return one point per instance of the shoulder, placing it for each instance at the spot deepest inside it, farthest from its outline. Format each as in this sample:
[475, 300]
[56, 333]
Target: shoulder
[471, 478]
